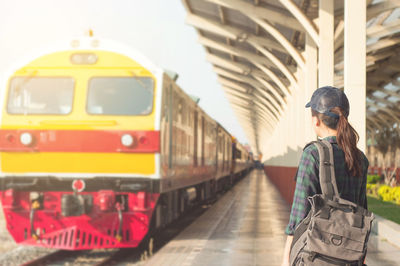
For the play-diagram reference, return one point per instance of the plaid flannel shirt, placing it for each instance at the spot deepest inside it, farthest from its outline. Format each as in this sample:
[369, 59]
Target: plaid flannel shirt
[307, 182]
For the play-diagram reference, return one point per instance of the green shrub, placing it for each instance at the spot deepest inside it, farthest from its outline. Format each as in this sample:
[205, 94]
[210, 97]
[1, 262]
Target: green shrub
[372, 189]
[373, 179]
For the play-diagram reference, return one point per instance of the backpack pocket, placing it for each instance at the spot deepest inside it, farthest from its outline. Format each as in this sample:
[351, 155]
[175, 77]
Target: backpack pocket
[336, 240]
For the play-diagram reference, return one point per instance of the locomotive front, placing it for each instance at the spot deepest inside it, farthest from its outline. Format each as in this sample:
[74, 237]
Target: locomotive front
[79, 148]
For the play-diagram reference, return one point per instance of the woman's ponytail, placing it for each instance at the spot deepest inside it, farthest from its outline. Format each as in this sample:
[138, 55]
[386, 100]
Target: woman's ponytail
[347, 138]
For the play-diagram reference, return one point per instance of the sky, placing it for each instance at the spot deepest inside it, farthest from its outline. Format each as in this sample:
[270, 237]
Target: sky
[156, 28]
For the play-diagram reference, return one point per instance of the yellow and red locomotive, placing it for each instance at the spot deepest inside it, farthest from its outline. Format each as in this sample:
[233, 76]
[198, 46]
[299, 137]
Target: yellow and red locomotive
[97, 145]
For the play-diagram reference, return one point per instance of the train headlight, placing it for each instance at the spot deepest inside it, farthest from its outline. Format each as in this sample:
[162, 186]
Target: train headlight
[26, 139]
[127, 140]
[83, 59]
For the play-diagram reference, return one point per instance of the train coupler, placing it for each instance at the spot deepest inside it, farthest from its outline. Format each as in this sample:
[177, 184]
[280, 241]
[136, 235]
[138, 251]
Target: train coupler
[118, 237]
[35, 205]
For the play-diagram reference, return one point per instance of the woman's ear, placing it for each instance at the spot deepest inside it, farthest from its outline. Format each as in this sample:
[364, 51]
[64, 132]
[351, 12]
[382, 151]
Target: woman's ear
[316, 122]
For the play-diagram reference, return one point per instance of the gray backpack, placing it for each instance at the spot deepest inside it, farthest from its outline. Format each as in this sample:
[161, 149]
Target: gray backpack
[335, 231]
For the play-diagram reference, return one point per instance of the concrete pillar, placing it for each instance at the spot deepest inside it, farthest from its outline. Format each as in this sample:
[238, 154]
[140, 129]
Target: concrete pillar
[355, 65]
[310, 80]
[326, 45]
[299, 106]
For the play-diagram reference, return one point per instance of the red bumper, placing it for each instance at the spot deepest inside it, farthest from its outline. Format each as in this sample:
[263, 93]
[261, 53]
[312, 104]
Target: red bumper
[110, 222]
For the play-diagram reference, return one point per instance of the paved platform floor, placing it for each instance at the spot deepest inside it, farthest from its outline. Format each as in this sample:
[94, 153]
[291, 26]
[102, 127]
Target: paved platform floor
[246, 227]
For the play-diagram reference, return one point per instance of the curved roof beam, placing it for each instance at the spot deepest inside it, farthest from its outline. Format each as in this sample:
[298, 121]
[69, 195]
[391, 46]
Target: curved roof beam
[255, 135]
[250, 133]
[384, 101]
[376, 9]
[247, 73]
[241, 36]
[262, 107]
[275, 79]
[253, 58]
[271, 101]
[230, 31]
[379, 31]
[382, 119]
[271, 15]
[369, 127]
[248, 115]
[248, 126]
[391, 93]
[257, 112]
[376, 124]
[387, 111]
[249, 81]
[250, 120]
[283, 68]
[373, 10]
[251, 97]
[308, 25]
[254, 13]
[382, 43]
[236, 66]
[282, 40]
[273, 90]
[239, 105]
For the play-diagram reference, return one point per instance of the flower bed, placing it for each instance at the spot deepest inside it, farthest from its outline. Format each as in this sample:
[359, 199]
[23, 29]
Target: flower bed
[381, 191]
[383, 199]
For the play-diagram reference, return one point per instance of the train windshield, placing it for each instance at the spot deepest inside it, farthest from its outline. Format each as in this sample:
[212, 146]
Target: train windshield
[40, 95]
[120, 96]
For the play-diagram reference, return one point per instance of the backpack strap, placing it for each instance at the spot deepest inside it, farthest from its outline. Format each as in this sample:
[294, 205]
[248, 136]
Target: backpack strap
[327, 169]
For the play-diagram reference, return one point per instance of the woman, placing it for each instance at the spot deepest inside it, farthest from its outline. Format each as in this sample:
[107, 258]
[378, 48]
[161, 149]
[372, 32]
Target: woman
[329, 110]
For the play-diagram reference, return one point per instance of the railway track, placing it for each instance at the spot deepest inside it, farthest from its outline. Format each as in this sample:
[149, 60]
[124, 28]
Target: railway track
[81, 257]
[55, 256]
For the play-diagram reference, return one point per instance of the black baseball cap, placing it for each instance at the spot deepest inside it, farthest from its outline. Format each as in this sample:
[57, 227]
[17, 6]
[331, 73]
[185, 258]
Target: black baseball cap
[328, 97]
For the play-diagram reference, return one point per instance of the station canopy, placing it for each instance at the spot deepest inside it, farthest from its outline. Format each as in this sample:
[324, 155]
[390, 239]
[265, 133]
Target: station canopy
[256, 49]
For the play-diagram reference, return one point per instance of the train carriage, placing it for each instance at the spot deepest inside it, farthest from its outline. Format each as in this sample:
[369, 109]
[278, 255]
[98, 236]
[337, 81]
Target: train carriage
[242, 160]
[97, 145]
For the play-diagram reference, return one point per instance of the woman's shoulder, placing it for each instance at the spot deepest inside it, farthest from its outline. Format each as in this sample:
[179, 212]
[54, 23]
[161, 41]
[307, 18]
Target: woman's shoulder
[364, 159]
[310, 150]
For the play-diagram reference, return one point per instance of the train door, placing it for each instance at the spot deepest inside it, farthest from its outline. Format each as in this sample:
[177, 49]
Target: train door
[170, 126]
[202, 140]
[233, 151]
[164, 137]
[223, 152]
[216, 148]
[229, 155]
[195, 139]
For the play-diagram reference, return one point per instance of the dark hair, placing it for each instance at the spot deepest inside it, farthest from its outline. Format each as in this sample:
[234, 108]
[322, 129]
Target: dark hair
[347, 138]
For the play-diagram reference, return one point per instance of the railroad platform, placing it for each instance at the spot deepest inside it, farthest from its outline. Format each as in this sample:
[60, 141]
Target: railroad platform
[246, 227]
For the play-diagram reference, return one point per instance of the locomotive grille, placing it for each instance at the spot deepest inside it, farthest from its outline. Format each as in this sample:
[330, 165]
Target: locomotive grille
[74, 238]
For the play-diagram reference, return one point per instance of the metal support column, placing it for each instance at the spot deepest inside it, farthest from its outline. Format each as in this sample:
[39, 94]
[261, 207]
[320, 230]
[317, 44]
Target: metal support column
[355, 64]
[326, 44]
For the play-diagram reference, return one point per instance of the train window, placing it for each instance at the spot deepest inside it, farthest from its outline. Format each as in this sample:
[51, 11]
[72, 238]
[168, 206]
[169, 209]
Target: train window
[40, 95]
[120, 96]
[189, 116]
[175, 107]
[184, 113]
[180, 111]
[165, 104]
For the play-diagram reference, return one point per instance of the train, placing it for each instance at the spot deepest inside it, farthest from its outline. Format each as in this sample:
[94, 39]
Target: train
[99, 146]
